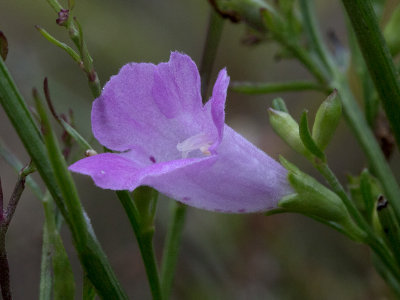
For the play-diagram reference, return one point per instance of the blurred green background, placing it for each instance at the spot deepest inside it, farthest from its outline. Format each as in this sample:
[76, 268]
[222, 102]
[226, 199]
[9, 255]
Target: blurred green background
[222, 256]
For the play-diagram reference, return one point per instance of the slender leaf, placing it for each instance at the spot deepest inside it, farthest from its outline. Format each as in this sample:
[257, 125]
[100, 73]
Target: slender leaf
[307, 138]
[90, 253]
[377, 58]
[253, 88]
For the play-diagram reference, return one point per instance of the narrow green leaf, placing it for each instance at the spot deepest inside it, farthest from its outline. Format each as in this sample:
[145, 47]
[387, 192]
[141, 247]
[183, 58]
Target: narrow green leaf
[253, 88]
[46, 279]
[378, 59]
[76, 136]
[63, 176]
[307, 139]
[64, 283]
[3, 46]
[89, 292]
[55, 5]
[91, 255]
[367, 193]
[75, 56]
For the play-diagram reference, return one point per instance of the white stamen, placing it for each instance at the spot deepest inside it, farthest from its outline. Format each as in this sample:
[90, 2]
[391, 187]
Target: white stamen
[196, 142]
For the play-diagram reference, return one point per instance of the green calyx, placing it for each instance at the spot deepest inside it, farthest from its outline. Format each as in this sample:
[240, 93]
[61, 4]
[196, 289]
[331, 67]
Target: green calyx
[316, 201]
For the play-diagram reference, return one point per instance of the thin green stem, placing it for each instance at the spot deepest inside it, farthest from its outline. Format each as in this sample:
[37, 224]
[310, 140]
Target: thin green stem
[4, 267]
[144, 236]
[215, 27]
[314, 36]
[304, 57]
[377, 245]
[368, 143]
[378, 60]
[251, 88]
[171, 248]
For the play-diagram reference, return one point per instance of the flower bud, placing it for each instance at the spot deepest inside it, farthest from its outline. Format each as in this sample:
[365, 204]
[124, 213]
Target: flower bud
[327, 120]
[288, 129]
[391, 32]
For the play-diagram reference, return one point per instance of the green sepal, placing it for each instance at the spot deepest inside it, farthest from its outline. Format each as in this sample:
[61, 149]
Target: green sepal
[318, 202]
[288, 129]
[313, 198]
[288, 165]
[326, 120]
[307, 139]
[145, 198]
[84, 145]
[391, 32]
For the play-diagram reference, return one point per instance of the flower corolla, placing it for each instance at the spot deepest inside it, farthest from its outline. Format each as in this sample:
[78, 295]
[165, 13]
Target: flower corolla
[162, 136]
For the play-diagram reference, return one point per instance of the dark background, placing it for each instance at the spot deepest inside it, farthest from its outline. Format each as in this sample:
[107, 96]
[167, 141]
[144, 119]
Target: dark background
[222, 256]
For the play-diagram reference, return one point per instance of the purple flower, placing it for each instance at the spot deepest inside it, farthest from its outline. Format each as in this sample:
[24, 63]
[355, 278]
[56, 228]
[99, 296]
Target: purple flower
[153, 116]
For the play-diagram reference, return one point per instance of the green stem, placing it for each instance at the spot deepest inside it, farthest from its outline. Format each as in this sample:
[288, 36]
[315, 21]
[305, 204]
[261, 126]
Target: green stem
[171, 248]
[144, 236]
[377, 245]
[368, 143]
[378, 60]
[274, 87]
[310, 27]
[215, 26]
[303, 57]
[174, 234]
[4, 267]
